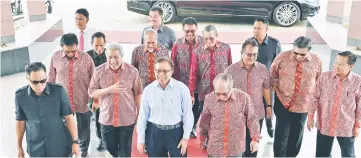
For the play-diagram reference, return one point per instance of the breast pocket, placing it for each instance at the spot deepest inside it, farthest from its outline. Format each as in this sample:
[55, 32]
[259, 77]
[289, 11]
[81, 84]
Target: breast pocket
[237, 118]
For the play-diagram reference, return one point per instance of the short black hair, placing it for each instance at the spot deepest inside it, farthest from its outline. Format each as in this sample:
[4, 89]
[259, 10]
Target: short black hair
[351, 57]
[251, 42]
[33, 67]
[189, 21]
[98, 35]
[263, 20]
[159, 9]
[68, 39]
[303, 42]
[83, 11]
[165, 59]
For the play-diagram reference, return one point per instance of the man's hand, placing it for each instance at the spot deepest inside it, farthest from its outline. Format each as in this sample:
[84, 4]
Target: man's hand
[76, 149]
[116, 88]
[356, 132]
[192, 100]
[95, 106]
[254, 146]
[141, 148]
[21, 152]
[310, 124]
[269, 112]
[201, 143]
[183, 145]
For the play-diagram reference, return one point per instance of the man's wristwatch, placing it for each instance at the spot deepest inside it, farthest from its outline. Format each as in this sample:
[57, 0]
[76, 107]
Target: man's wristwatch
[76, 141]
[269, 106]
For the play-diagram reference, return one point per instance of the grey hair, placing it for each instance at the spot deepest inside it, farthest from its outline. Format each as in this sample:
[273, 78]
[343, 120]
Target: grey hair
[225, 77]
[115, 46]
[210, 28]
[303, 42]
[147, 31]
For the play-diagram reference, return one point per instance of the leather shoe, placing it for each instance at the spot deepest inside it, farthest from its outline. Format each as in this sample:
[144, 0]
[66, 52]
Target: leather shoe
[101, 147]
[84, 154]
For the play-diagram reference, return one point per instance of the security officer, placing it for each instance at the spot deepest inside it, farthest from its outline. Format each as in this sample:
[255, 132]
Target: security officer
[41, 108]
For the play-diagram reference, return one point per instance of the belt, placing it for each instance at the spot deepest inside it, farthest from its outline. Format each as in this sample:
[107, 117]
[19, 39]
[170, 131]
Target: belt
[167, 127]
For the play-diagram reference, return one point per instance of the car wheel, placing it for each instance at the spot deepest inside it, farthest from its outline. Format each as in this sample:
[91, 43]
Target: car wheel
[286, 14]
[169, 13]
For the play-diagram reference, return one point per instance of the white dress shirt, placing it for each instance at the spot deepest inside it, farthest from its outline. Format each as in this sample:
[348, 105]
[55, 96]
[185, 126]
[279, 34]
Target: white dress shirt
[88, 32]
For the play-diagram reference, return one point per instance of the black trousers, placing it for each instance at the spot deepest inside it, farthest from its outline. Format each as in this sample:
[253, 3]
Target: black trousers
[289, 131]
[324, 145]
[98, 128]
[248, 152]
[83, 123]
[161, 142]
[118, 140]
[197, 110]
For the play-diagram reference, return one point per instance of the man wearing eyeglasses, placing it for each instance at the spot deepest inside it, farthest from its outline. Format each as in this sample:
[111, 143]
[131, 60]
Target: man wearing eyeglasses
[293, 77]
[253, 78]
[181, 55]
[337, 101]
[165, 116]
[144, 56]
[40, 110]
[208, 60]
[73, 70]
[118, 87]
[226, 112]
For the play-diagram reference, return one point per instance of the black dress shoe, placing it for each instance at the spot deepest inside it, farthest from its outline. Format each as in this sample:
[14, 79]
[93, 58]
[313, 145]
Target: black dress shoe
[101, 148]
[84, 154]
[269, 127]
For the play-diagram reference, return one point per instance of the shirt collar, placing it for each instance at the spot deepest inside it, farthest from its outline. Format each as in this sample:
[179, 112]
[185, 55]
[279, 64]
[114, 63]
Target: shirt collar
[196, 40]
[255, 64]
[170, 83]
[84, 31]
[349, 76]
[155, 49]
[77, 54]
[233, 95]
[218, 44]
[265, 41]
[46, 90]
[107, 67]
[161, 29]
[308, 56]
[95, 54]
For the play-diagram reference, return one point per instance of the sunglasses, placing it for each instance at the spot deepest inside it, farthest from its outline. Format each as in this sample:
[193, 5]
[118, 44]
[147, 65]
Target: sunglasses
[209, 38]
[221, 94]
[189, 31]
[164, 71]
[37, 82]
[250, 54]
[299, 54]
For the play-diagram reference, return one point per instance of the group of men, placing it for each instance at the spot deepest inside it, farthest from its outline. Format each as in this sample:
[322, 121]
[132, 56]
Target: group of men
[198, 92]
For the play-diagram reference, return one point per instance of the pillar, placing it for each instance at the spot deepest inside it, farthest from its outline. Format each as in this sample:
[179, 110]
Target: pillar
[7, 23]
[354, 28]
[338, 11]
[34, 10]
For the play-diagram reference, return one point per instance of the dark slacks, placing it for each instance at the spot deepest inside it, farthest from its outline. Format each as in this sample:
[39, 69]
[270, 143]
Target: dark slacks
[197, 110]
[289, 131]
[83, 124]
[324, 145]
[118, 140]
[98, 128]
[161, 142]
[248, 152]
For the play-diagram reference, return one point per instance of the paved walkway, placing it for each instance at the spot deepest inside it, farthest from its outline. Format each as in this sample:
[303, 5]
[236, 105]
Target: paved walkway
[9, 84]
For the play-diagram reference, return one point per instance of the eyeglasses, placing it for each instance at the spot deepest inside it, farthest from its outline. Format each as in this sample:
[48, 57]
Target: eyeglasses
[222, 94]
[209, 38]
[37, 82]
[299, 54]
[250, 54]
[164, 71]
[189, 31]
[338, 65]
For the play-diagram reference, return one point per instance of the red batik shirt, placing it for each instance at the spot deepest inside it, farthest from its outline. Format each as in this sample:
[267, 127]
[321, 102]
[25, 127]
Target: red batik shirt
[118, 109]
[144, 61]
[253, 82]
[338, 104]
[74, 75]
[181, 56]
[224, 123]
[295, 80]
[206, 65]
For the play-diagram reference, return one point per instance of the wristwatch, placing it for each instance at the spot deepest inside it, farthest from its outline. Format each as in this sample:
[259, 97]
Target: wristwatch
[269, 106]
[76, 141]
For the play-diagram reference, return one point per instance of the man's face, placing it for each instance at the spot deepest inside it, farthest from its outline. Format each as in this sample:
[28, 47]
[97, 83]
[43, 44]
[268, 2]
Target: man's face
[300, 53]
[341, 66]
[80, 21]
[99, 45]
[70, 50]
[222, 90]
[150, 42]
[259, 29]
[163, 72]
[249, 55]
[37, 81]
[155, 19]
[210, 39]
[114, 59]
[190, 32]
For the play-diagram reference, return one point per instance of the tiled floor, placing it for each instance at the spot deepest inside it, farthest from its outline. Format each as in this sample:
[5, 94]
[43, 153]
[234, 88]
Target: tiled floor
[9, 84]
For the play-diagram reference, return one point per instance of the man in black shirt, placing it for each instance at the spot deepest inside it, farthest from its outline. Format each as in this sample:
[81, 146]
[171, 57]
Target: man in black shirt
[98, 55]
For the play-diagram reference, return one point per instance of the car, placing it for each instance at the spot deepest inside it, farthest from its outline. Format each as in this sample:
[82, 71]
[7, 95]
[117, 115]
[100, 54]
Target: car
[283, 13]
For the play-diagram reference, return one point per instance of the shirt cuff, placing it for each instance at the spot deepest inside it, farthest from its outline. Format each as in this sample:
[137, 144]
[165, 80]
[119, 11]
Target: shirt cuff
[186, 135]
[141, 138]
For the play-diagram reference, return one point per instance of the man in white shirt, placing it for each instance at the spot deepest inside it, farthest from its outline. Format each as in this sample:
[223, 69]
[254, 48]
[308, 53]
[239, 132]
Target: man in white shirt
[83, 32]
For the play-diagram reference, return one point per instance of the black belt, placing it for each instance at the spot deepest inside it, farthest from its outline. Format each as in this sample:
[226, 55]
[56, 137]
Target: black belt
[168, 127]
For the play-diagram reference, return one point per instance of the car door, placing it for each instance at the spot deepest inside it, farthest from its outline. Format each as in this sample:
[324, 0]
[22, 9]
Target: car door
[247, 8]
[199, 8]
